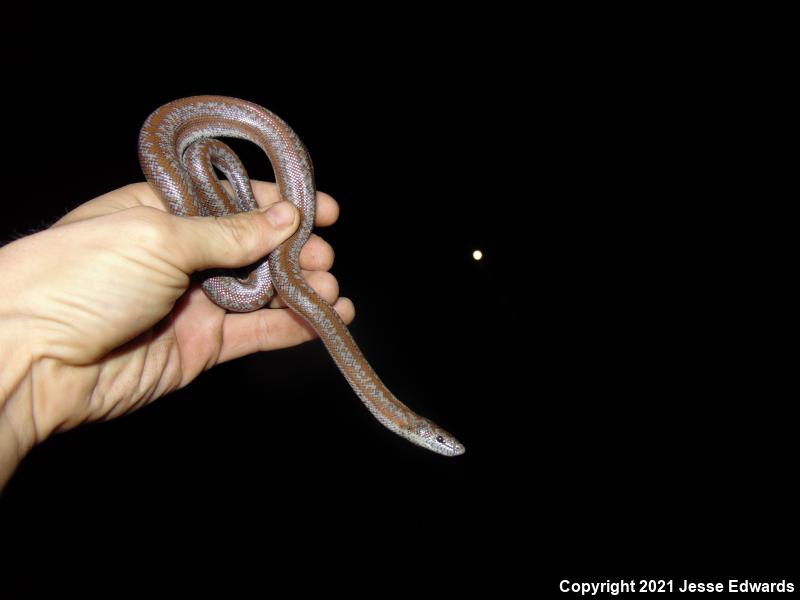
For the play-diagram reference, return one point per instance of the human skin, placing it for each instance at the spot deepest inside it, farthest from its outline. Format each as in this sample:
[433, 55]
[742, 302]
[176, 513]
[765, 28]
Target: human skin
[99, 315]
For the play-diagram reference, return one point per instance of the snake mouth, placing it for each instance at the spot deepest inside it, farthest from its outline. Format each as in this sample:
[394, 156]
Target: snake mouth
[458, 449]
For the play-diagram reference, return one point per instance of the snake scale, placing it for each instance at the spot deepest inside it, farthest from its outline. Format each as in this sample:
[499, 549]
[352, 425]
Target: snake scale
[178, 152]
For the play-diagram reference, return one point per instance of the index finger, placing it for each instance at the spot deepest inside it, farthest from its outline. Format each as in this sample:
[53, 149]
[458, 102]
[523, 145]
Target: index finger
[327, 208]
[142, 194]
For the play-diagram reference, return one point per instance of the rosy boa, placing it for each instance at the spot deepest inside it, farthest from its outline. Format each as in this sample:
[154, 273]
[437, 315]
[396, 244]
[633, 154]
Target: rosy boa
[178, 156]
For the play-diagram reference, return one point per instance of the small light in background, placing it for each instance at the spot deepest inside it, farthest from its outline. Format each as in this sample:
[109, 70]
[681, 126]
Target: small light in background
[477, 255]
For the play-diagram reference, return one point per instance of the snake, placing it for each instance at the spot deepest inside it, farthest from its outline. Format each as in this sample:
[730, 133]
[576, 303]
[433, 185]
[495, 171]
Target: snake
[178, 154]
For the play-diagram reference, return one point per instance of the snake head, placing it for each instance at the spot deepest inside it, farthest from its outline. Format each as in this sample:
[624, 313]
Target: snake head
[431, 436]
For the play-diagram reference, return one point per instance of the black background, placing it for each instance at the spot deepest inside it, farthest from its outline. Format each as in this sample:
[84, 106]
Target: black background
[603, 364]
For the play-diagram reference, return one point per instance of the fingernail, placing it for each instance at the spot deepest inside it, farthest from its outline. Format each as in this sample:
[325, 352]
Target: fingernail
[281, 214]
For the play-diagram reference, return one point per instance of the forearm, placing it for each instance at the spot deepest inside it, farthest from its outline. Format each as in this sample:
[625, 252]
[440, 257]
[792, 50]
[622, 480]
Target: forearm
[17, 426]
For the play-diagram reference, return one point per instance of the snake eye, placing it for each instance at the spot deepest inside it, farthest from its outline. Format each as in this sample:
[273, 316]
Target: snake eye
[440, 439]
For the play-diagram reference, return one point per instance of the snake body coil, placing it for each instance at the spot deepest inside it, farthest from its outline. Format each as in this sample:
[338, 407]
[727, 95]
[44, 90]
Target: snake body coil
[178, 155]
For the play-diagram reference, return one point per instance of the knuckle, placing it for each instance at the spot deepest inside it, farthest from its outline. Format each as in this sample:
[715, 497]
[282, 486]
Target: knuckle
[325, 254]
[136, 189]
[318, 254]
[239, 231]
[327, 285]
[149, 226]
[265, 331]
[140, 193]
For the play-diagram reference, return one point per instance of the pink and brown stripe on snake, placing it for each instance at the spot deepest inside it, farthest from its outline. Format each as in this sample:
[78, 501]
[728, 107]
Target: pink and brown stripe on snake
[177, 153]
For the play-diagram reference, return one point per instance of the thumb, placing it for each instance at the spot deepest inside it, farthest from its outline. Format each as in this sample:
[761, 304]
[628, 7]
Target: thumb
[236, 240]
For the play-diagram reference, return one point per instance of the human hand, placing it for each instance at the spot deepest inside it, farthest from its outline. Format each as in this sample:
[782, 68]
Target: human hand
[96, 319]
